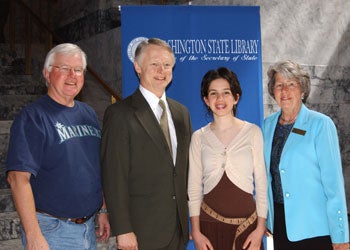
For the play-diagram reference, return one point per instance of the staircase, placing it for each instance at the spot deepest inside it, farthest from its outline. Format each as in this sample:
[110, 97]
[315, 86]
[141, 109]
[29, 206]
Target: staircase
[16, 91]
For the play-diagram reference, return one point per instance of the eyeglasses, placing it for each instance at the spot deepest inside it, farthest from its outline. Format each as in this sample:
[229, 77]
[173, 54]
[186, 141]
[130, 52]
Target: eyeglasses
[288, 85]
[78, 71]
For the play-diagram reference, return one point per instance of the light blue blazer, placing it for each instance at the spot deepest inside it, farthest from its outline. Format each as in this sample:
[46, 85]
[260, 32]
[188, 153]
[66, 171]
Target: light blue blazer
[311, 176]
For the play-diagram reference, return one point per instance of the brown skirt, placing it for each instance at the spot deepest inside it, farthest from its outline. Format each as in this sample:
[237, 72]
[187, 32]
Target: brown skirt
[229, 201]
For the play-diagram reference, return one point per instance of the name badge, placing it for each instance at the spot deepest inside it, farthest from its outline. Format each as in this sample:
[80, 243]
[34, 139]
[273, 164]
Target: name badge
[299, 131]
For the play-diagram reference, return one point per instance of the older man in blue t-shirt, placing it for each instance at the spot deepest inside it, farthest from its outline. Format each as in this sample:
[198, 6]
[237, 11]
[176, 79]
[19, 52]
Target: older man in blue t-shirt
[53, 163]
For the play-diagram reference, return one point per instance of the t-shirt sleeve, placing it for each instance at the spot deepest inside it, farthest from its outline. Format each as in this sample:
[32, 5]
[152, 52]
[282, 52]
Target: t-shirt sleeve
[26, 143]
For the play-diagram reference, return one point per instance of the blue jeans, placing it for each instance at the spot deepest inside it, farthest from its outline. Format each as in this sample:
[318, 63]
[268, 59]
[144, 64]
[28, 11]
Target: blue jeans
[63, 235]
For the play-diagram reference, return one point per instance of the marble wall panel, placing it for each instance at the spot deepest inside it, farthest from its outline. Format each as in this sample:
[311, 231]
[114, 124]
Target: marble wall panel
[9, 226]
[6, 202]
[104, 56]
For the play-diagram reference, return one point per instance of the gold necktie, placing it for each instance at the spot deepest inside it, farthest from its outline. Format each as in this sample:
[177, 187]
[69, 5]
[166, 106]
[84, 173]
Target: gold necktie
[164, 125]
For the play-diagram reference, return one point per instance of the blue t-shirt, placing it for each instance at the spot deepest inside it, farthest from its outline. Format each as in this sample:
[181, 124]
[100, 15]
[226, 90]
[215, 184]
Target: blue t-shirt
[60, 147]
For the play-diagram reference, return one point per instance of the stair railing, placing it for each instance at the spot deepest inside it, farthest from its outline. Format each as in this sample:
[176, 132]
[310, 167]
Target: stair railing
[49, 37]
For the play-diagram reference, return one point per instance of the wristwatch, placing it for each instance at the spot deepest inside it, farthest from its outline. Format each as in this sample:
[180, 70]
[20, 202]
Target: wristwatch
[103, 210]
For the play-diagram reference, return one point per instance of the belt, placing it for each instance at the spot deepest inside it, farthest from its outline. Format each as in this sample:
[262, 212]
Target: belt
[75, 220]
[243, 223]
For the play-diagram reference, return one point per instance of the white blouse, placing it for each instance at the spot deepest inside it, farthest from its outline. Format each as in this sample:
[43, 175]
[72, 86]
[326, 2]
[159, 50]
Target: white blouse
[242, 159]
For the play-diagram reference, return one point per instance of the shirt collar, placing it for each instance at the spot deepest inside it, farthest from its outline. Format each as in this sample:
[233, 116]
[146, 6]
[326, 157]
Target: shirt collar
[151, 98]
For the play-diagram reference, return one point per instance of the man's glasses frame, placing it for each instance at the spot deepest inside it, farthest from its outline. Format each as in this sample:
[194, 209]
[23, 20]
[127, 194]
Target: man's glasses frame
[64, 69]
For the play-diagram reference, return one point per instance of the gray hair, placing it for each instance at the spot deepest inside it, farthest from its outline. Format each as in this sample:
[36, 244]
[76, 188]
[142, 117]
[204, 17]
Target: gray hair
[152, 41]
[289, 70]
[64, 48]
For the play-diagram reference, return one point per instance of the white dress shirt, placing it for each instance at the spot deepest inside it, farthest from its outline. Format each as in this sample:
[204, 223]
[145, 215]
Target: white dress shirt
[153, 102]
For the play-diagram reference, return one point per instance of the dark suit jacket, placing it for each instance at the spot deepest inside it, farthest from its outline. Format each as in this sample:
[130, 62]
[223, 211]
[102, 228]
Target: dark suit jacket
[144, 192]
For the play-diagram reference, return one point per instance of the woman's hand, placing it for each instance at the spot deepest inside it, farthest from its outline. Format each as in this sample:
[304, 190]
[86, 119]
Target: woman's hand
[201, 242]
[341, 246]
[253, 241]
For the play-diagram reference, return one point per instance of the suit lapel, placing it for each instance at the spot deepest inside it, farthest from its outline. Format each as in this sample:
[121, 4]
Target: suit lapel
[149, 122]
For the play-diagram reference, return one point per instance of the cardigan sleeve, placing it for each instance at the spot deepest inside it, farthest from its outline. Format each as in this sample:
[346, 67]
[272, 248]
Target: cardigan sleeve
[260, 180]
[195, 185]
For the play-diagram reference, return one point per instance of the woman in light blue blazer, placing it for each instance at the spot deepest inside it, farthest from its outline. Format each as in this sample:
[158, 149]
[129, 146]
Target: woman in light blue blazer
[307, 204]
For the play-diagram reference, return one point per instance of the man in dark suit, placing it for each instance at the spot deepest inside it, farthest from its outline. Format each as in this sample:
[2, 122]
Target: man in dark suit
[144, 170]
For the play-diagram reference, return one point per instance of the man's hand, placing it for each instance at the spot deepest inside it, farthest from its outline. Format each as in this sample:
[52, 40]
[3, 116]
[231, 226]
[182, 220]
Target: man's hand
[127, 241]
[104, 229]
[36, 242]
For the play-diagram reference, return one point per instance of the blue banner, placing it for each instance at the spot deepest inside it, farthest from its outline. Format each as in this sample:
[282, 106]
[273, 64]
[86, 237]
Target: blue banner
[202, 38]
